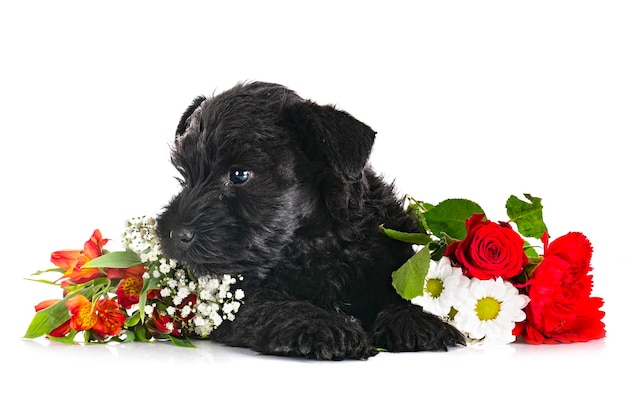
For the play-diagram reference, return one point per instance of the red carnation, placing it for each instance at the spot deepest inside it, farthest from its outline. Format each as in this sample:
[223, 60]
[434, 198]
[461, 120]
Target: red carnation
[561, 308]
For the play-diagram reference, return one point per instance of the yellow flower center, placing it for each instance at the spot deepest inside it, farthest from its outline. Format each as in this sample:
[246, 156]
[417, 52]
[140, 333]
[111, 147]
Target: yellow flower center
[487, 308]
[434, 287]
[86, 318]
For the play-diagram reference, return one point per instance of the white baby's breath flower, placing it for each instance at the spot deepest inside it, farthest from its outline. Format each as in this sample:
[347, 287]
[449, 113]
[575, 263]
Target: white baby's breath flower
[239, 294]
[444, 286]
[164, 268]
[199, 321]
[222, 293]
[185, 311]
[214, 301]
[206, 295]
[490, 311]
[227, 308]
[183, 292]
[215, 317]
[201, 308]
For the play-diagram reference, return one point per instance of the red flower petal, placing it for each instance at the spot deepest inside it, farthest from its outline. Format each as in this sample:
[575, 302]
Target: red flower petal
[133, 271]
[128, 291]
[489, 250]
[45, 304]
[62, 330]
[110, 318]
[82, 275]
[66, 259]
[93, 246]
[574, 248]
[561, 309]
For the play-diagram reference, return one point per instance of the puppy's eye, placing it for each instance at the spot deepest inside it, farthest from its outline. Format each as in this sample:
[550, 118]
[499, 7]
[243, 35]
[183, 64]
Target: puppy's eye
[239, 176]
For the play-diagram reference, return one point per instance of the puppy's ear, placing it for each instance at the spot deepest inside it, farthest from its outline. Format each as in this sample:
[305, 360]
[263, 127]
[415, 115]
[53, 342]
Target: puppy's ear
[190, 119]
[332, 136]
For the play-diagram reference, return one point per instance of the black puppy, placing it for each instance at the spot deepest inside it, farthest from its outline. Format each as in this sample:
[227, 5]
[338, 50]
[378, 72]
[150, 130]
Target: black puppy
[277, 189]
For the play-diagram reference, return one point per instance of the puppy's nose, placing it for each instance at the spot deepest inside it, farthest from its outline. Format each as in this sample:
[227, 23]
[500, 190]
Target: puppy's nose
[183, 237]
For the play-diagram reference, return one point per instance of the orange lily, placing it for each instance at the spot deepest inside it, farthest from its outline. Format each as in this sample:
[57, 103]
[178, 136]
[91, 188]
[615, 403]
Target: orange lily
[104, 318]
[83, 314]
[93, 246]
[128, 291]
[72, 261]
[130, 287]
[133, 271]
[110, 319]
[66, 259]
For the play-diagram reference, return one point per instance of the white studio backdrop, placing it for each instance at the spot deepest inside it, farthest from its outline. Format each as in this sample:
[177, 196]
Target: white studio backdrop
[476, 100]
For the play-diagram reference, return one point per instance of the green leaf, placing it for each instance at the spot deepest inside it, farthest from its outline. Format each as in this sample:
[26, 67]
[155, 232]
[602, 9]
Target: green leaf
[140, 334]
[52, 270]
[48, 319]
[417, 209]
[449, 217]
[68, 340]
[437, 249]
[528, 216]
[123, 259]
[408, 280]
[530, 250]
[414, 238]
[133, 319]
[182, 342]
[130, 337]
[148, 284]
[42, 281]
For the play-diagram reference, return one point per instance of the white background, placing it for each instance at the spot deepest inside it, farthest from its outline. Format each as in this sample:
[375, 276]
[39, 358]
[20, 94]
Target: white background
[472, 99]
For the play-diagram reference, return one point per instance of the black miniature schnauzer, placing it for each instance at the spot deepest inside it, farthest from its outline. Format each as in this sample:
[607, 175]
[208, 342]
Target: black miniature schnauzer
[278, 189]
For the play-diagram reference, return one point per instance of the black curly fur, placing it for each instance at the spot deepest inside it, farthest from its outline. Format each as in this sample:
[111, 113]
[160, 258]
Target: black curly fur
[302, 229]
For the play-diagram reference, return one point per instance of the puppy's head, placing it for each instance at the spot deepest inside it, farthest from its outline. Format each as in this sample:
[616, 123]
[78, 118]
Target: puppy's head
[257, 164]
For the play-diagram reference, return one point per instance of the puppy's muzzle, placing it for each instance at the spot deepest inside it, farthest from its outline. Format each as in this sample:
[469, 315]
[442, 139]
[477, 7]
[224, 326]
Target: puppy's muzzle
[183, 237]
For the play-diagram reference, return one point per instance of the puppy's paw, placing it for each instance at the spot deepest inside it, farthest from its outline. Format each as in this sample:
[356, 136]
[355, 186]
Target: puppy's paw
[407, 328]
[335, 337]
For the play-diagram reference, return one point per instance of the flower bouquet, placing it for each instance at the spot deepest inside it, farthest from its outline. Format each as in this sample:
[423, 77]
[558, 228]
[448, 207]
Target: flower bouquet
[131, 295]
[489, 281]
[486, 278]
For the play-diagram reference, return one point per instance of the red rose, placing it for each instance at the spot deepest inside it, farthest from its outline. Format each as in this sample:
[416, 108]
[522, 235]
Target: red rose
[560, 308]
[489, 250]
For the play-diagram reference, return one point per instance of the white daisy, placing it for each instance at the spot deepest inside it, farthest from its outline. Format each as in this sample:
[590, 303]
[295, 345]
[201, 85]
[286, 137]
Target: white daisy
[444, 287]
[490, 311]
